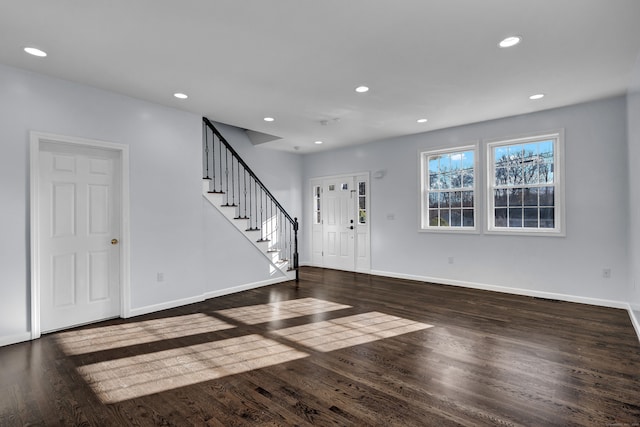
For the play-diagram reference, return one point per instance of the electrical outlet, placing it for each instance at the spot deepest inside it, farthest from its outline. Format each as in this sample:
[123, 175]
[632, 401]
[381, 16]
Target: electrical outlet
[160, 277]
[606, 273]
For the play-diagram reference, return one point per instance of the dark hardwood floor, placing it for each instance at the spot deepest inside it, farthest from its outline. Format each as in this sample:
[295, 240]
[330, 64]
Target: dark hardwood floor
[345, 349]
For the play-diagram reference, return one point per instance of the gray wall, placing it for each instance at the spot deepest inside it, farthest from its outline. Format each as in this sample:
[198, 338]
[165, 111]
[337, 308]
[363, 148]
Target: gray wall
[597, 215]
[173, 230]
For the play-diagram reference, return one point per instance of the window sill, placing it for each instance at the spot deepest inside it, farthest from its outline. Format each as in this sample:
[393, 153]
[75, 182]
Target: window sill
[450, 230]
[518, 232]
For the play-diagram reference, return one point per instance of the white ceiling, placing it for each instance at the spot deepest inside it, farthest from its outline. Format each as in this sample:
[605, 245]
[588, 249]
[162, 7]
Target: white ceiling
[299, 61]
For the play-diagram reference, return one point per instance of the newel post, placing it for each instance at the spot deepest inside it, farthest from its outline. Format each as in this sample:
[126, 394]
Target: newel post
[295, 249]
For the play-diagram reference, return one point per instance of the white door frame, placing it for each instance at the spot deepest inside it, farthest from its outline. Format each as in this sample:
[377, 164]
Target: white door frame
[125, 268]
[319, 181]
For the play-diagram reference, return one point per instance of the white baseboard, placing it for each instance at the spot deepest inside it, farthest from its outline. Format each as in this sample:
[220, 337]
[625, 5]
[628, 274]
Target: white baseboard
[164, 306]
[199, 298]
[14, 339]
[246, 287]
[507, 290]
[357, 270]
[633, 309]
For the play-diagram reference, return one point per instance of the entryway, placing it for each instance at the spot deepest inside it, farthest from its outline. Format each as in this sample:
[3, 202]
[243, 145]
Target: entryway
[341, 223]
[79, 249]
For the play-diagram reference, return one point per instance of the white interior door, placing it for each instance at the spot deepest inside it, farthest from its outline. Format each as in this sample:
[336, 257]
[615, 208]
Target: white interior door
[79, 232]
[338, 224]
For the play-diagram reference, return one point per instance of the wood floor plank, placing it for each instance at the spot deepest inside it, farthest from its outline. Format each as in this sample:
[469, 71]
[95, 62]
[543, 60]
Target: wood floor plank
[484, 359]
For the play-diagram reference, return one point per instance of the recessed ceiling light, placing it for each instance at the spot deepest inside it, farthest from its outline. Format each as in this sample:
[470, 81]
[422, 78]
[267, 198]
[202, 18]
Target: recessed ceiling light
[362, 89]
[510, 41]
[35, 52]
[537, 96]
[269, 119]
[318, 142]
[422, 120]
[180, 95]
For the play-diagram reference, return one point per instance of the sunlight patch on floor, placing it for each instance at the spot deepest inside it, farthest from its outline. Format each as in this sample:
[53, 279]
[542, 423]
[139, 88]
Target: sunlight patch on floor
[121, 379]
[128, 334]
[254, 314]
[349, 331]
[126, 378]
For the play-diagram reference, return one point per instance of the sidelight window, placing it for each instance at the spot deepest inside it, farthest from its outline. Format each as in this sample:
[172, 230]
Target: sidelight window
[317, 213]
[362, 202]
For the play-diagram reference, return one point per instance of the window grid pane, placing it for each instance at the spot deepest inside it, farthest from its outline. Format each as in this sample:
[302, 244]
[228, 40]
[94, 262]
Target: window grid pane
[448, 175]
[362, 202]
[524, 185]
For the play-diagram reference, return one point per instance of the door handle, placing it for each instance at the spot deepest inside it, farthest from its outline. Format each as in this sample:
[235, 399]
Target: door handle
[114, 241]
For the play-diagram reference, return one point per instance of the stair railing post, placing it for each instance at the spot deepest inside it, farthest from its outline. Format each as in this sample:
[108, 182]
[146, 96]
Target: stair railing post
[251, 198]
[220, 160]
[244, 189]
[295, 250]
[213, 158]
[259, 217]
[239, 193]
[226, 174]
[206, 151]
[233, 186]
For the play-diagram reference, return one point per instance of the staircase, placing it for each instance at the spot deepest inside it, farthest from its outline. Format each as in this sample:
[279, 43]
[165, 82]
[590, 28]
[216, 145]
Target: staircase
[232, 188]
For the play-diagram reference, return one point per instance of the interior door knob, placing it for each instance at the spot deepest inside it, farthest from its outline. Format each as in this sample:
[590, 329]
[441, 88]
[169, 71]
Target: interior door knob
[114, 241]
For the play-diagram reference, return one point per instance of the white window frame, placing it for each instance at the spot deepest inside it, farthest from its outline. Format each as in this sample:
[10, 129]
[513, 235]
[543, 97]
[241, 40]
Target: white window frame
[558, 183]
[424, 190]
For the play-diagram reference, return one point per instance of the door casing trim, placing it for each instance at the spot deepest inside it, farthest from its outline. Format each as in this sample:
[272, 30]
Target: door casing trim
[36, 138]
[318, 180]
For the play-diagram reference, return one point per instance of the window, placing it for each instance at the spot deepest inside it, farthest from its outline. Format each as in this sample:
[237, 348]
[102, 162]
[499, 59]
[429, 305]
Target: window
[317, 213]
[362, 202]
[448, 189]
[525, 185]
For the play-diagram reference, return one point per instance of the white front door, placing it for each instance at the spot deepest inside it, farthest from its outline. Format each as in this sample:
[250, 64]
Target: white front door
[79, 232]
[340, 223]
